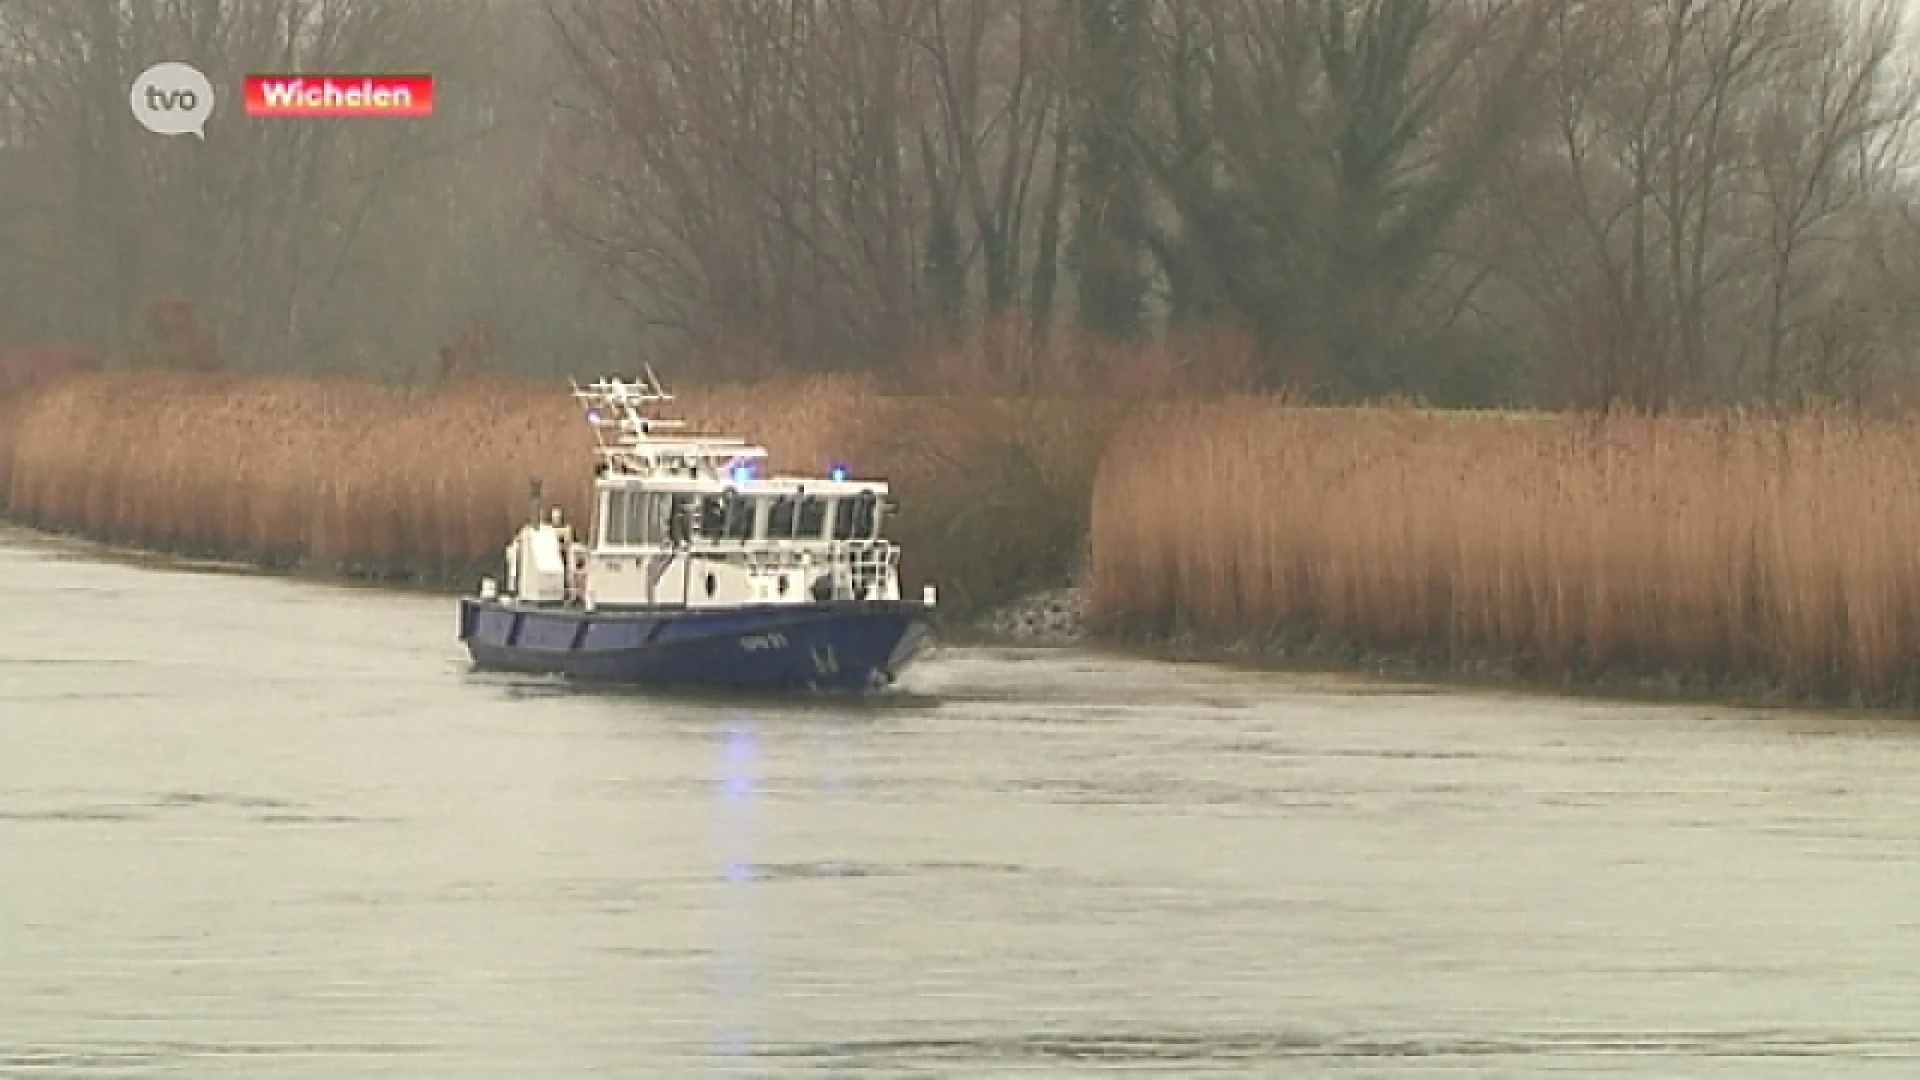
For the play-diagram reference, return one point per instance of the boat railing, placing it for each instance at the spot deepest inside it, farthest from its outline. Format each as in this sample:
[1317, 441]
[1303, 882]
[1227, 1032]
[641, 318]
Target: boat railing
[714, 457]
[853, 554]
[882, 553]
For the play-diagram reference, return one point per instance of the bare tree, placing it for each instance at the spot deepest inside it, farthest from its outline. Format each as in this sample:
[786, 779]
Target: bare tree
[996, 67]
[744, 168]
[1832, 133]
[1696, 164]
[1111, 223]
[1316, 153]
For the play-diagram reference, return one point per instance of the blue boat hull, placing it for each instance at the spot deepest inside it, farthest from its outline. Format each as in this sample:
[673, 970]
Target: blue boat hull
[771, 647]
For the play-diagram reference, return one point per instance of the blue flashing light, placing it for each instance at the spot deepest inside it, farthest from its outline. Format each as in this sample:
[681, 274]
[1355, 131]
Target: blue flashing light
[838, 473]
[742, 473]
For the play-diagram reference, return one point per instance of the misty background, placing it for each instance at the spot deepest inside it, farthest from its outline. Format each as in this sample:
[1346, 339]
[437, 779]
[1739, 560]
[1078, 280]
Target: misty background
[1549, 202]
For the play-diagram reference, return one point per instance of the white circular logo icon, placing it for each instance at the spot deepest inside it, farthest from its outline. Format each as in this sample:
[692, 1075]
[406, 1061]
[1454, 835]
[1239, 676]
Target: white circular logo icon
[172, 99]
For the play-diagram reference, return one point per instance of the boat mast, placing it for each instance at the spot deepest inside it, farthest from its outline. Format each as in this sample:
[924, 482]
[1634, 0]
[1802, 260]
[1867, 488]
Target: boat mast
[627, 439]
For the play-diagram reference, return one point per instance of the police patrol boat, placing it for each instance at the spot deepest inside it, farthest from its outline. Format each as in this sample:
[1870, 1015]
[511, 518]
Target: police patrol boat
[698, 568]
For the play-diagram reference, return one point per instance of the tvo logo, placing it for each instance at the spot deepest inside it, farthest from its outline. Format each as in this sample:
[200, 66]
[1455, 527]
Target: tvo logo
[172, 98]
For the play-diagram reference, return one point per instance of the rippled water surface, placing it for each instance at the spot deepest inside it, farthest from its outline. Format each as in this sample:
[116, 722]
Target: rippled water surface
[259, 828]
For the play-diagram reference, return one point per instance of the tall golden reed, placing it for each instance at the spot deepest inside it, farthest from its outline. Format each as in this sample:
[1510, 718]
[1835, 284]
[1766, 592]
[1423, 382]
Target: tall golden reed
[338, 474]
[1742, 546]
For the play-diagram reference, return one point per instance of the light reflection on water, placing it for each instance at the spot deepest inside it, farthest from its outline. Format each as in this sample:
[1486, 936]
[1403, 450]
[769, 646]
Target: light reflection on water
[251, 828]
[736, 927]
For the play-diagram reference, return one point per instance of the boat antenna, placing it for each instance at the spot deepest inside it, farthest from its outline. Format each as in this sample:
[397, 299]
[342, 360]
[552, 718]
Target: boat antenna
[534, 499]
[654, 385]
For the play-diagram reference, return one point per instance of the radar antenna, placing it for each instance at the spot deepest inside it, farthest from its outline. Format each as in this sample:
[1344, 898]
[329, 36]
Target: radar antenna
[625, 433]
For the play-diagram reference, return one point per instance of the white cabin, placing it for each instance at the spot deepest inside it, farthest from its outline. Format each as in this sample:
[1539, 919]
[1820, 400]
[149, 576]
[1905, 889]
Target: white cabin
[683, 520]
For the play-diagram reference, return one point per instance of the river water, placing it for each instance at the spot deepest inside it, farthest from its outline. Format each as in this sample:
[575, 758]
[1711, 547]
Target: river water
[260, 828]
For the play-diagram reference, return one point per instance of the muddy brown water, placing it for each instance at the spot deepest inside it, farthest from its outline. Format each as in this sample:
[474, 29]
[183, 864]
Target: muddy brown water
[262, 828]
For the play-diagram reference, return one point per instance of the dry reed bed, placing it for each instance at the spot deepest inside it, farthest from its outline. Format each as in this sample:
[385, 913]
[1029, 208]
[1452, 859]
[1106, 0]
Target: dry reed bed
[341, 475]
[1742, 547]
[335, 474]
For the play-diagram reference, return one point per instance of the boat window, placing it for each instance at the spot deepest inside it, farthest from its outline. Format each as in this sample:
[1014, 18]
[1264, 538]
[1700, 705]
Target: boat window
[780, 520]
[634, 519]
[855, 517]
[713, 516]
[740, 517]
[660, 510]
[813, 517]
[865, 516]
[640, 513]
[610, 520]
[845, 513]
[677, 526]
[624, 518]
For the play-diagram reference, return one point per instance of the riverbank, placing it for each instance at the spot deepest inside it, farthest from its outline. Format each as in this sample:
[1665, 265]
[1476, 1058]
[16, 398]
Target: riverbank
[1737, 556]
[1307, 652]
[1056, 618]
[63, 545]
